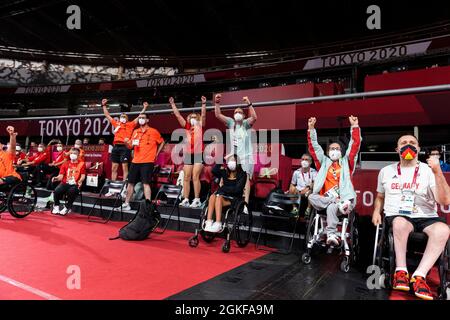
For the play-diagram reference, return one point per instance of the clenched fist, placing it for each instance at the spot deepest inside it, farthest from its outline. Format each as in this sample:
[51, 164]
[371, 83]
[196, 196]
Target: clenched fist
[434, 164]
[217, 98]
[145, 104]
[203, 100]
[311, 123]
[353, 120]
[10, 130]
[171, 100]
[104, 102]
[246, 100]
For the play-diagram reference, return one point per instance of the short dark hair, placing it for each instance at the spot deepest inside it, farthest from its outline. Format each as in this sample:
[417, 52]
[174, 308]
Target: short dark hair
[407, 134]
[336, 142]
[75, 149]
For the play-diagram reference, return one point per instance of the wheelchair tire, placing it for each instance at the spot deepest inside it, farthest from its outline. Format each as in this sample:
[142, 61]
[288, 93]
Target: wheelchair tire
[226, 247]
[354, 238]
[3, 202]
[310, 228]
[193, 242]
[345, 264]
[306, 258]
[22, 200]
[243, 225]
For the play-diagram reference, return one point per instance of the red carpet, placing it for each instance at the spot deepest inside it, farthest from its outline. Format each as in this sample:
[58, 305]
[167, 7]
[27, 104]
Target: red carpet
[36, 251]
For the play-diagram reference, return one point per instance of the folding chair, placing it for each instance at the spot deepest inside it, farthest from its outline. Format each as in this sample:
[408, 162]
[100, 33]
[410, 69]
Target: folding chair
[115, 187]
[168, 196]
[275, 208]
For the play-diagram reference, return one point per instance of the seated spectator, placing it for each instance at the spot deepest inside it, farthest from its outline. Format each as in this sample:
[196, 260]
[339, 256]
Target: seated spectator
[333, 188]
[408, 192]
[85, 141]
[232, 183]
[71, 175]
[435, 153]
[56, 164]
[8, 176]
[38, 163]
[303, 180]
[32, 149]
[78, 145]
[101, 141]
[20, 155]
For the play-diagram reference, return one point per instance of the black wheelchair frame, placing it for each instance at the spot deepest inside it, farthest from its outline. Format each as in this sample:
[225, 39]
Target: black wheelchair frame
[349, 246]
[240, 229]
[21, 194]
[384, 258]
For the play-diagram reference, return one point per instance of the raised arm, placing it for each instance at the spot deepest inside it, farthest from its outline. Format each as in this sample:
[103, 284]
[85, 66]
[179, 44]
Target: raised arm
[177, 113]
[203, 113]
[105, 110]
[217, 111]
[314, 148]
[12, 140]
[251, 112]
[441, 191]
[355, 143]
[144, 108]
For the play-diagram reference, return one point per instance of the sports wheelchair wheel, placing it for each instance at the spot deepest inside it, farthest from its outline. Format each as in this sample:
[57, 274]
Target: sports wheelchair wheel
[345, 264]
[444, 271]
[354, 239]
[242, 225]
[3, 201]
[208, 237]
[21, 200]
[306, 258]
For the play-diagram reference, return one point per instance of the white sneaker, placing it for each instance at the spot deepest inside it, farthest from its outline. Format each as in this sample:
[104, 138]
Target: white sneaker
[216, 227]
[208, 225]
[109, 194]
[185, 203]
[126, 206]
[332, 239]
[55, 209]
[64, 211]
[245, 210]
[196, 203]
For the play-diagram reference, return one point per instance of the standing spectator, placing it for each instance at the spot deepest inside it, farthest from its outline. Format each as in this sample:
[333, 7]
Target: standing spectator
[147, 144]
[241, 138]
[123, 129]
[193, 152]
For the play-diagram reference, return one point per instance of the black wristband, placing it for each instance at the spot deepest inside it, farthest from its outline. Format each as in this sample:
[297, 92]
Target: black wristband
[250, 105]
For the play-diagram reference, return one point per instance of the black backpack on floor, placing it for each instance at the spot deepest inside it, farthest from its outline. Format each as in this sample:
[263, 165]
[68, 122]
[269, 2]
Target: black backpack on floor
[145, 221]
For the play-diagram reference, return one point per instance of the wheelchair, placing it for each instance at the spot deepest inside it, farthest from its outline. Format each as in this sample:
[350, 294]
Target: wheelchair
[235, 225]
[384, 257]
[348, 236]
[20, 200]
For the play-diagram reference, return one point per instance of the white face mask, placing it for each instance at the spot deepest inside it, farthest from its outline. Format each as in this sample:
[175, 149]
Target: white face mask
[305, 164]
[335, 155]
[231, 165]
[59, 149]
[142, 121]
[40, 149]
[435, 156]
[193, 122]
[73, 156]
[123, 119]
[238, 117]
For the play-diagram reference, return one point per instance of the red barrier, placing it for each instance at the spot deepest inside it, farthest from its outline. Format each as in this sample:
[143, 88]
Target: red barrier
[408, 79]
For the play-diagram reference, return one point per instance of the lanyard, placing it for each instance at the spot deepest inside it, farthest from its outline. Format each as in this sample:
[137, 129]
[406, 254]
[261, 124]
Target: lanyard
[416, 171]
[309, 176]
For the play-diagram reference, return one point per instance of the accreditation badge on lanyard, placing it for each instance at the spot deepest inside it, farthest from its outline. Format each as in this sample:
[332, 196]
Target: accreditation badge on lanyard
[136, 140]
[407, 201]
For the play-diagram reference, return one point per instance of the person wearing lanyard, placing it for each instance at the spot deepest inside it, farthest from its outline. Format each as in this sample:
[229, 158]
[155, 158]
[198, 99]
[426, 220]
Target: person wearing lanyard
[302, 181]
[71, 174]
[193, 152]
[120, 153]
[147, 144]
[408, 193]
[241, 137]
[333, 188]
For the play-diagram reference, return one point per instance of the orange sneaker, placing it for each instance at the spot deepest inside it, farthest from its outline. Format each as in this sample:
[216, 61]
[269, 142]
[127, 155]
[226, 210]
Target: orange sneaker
[401, 281]
[421, 289]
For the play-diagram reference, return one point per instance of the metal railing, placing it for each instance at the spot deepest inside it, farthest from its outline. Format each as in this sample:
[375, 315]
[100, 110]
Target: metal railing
[361, 95]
